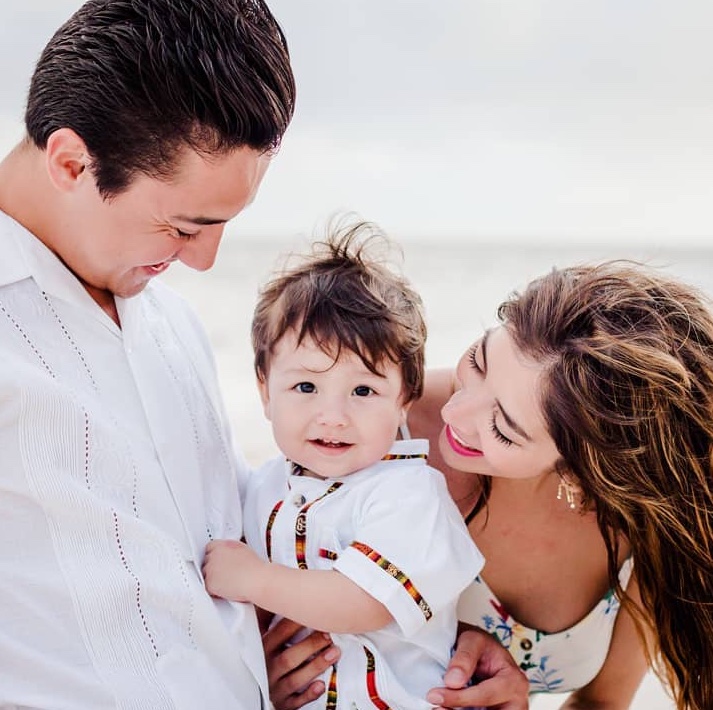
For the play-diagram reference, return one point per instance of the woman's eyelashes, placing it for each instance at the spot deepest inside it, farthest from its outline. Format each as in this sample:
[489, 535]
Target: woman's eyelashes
[498, 434]
[473, 358]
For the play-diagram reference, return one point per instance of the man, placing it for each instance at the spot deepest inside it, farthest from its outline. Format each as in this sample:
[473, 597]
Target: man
[150, 124]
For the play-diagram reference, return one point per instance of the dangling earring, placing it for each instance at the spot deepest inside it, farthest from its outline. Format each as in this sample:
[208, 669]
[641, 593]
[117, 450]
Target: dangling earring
[570, 491]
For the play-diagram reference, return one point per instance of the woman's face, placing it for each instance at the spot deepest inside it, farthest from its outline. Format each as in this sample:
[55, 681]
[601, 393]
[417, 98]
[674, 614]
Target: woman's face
[494, 423]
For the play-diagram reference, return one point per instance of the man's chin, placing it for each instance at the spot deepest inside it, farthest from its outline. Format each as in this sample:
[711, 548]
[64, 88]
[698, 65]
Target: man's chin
[130, 288]
[130, 292]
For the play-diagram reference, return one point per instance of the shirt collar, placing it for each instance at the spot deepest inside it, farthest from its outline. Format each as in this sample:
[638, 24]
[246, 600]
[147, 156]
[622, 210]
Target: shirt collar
[25, 256]
[13, 265]
[409, 448]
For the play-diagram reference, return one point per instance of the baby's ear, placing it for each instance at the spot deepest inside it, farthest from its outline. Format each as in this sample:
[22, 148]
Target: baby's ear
[264, 395]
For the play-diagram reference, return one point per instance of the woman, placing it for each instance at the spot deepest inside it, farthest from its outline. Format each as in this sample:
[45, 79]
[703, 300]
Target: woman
[578, 443]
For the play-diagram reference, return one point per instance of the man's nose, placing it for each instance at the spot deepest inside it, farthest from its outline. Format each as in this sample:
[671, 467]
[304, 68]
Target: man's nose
[199, 253]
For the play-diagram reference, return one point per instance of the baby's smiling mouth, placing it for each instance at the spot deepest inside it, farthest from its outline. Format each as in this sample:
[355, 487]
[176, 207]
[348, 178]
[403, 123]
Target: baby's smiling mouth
[330, 443]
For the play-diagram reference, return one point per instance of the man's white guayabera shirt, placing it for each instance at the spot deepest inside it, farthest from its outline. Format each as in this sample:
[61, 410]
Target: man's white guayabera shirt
[116, 469]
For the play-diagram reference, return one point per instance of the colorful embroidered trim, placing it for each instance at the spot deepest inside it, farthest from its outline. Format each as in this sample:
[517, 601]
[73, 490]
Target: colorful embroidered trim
[328, 554]
[397, 574]
[301, 526]
[399, 457]
[332, 690]
[268, 529]
[371, 681]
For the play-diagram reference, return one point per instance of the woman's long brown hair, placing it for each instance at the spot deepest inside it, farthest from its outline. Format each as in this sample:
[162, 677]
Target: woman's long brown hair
[628, 399]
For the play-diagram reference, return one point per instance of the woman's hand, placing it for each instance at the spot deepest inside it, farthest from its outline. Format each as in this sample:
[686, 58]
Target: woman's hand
[499, 684]
[292, 670]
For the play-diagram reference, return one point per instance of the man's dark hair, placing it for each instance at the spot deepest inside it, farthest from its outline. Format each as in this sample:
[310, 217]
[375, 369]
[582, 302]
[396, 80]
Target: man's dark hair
[141, 80]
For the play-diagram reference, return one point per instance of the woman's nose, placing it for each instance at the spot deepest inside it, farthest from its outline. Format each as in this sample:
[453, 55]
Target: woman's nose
[463, 403]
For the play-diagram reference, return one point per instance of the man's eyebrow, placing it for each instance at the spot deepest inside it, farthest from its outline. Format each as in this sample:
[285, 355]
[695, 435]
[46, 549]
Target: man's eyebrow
[205, 221]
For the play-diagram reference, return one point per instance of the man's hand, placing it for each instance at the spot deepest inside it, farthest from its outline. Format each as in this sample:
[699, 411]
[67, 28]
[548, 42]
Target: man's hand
[499, 683]
[292, 670]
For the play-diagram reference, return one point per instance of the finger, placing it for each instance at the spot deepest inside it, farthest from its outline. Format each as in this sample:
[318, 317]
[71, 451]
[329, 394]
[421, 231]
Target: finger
[507, 691]
[301, 682]
[304, 661]
[297, 700]
[478, 655]
[276, 637]
[465, 659]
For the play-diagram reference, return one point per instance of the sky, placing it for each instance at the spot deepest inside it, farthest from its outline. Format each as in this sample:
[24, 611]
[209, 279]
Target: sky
[523, 121]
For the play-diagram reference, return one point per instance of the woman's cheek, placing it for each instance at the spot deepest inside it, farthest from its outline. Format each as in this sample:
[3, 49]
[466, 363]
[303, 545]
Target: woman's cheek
[496, 458]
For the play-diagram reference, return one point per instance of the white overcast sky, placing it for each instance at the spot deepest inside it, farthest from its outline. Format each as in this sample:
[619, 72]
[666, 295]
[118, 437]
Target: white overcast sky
[540, 121]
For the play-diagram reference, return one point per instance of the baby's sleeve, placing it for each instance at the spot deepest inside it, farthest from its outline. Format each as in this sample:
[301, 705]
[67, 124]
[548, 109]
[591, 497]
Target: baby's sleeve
[412, 550]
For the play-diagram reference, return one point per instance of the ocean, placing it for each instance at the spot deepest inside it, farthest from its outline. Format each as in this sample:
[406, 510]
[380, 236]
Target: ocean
[461, 286]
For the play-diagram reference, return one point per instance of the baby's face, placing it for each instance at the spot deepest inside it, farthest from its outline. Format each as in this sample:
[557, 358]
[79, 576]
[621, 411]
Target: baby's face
[331, 417]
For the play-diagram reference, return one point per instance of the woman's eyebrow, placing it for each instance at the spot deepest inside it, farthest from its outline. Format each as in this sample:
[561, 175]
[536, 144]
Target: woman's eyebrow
[484, 349]
[512, 423]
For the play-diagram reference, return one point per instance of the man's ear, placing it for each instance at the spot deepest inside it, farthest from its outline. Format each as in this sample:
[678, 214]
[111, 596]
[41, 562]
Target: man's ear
[67, 159]
[264, 395]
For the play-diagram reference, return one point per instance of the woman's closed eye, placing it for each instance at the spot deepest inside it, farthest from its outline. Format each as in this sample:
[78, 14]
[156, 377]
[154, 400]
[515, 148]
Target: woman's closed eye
[473, 358]
[498, 434]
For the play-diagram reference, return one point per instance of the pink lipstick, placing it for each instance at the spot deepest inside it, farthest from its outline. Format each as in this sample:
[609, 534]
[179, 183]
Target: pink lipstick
[458, 446]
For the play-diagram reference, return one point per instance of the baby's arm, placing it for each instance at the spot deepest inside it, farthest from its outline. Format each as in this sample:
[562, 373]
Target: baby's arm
[319, 599]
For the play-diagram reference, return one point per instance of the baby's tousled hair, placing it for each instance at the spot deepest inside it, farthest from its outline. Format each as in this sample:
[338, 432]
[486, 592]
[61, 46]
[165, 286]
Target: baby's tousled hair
[342, 295]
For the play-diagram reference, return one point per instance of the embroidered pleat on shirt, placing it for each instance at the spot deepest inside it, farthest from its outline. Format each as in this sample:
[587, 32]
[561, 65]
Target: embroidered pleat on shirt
[116, 472]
